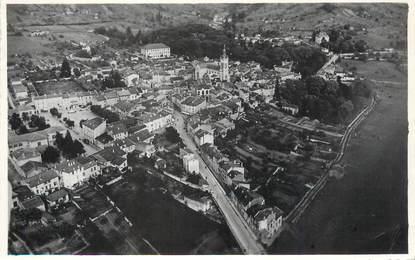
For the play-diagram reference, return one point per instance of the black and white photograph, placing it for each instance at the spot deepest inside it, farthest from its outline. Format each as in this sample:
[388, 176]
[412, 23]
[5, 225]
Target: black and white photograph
[206, 128]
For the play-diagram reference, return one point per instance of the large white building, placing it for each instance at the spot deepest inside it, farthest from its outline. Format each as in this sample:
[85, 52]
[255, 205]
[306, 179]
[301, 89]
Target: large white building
[190, 162]
[154, 122]
[77, 172]
[155, 51]
[62, 101]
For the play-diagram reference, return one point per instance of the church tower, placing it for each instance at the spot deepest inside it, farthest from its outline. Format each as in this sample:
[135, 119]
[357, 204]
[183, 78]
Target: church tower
[224, 66]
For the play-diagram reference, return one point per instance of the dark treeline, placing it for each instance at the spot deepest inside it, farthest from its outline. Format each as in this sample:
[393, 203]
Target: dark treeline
[198, 40]
[328, 101]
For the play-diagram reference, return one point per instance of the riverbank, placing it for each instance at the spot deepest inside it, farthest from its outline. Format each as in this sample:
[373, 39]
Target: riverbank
[366, 210]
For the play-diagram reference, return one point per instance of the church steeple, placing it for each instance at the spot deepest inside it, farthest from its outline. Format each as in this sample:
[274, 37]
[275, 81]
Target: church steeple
[224, 66]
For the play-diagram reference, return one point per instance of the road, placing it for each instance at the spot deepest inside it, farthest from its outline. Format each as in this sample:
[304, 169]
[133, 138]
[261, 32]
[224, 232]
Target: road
[243, 234]
[330, 61]
[53, 121]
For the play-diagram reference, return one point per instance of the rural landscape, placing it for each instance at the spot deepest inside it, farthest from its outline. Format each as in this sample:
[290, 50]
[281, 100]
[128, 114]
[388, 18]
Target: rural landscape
[199, 129]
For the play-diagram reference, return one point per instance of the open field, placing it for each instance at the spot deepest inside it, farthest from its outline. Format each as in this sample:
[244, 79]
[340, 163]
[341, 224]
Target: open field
[361, 212]
[381, 71]
[23, 44]
[58, 87]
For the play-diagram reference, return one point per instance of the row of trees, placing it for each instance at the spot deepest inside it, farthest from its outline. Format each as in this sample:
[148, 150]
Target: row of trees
[70, 148]
[199, 40]
[105, 113]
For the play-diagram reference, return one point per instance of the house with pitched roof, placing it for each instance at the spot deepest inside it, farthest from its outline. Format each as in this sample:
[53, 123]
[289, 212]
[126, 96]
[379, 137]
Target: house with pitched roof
[23, 156]
[57, 197]
[93, 128]
[44, 183]
[117, 130]
[35, 139]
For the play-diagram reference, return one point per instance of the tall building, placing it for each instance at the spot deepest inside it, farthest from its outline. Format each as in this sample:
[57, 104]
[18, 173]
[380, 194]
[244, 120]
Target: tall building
[224, 66]
[213, 69]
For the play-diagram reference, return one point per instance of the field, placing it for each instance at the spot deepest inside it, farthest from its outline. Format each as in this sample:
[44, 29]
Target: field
[23, 44]
[380, 71]
[58, 87]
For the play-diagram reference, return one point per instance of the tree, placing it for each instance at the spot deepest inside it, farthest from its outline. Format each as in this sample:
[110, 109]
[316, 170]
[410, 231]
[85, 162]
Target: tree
[65, 69]
[81, 122]
[172, 135]
[360, 46]
[60, 142]
[78, 147]
[77, 72]
[54, 111]
[23, 130]
[68, 141]
[15, 121]
[70, 123]
[39, 122]
[25, 116]
[50, 155]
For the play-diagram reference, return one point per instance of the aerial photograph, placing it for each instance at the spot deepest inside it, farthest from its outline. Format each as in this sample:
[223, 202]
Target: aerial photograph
[207, 129]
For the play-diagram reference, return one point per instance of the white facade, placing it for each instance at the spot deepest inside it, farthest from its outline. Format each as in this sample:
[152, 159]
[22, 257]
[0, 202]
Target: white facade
[158, 122]
[155, 51]
[191, 163]
[73, 173]
[203, 137]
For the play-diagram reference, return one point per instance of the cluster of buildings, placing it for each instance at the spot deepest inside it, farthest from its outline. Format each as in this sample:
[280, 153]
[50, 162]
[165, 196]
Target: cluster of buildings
[211, 92]
[265, 221]
[274, 41]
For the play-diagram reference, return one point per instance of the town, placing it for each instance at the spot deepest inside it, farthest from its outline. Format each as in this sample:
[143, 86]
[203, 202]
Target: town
[237, 141]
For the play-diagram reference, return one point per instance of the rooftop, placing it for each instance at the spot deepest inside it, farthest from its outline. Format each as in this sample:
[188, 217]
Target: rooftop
[23, 154]
[151, 46]
[32, 203]
[54, 196]
[93, 123]
[41, 178]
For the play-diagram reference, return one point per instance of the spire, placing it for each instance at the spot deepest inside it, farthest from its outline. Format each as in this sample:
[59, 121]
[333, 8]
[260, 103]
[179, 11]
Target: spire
[224, 50]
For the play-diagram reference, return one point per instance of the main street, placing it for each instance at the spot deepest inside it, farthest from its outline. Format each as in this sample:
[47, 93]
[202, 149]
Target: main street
[238, 226]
